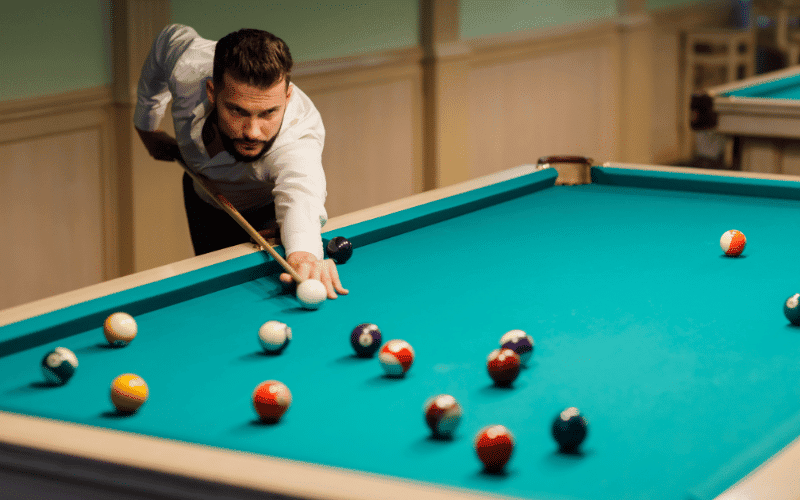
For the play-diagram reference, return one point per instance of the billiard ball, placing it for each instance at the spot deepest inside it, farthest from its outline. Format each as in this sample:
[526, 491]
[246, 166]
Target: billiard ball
[128, 392]
[569, 429]
[59, 365]
[274, 336]
[494, 445]
[791, 308]
[503, 366]
[519, 342]
[120, 329]
[442, 414]
[366, 339]
[732, 243]
[271, 399]
[396, 357]
[311, 293]
[339, 249]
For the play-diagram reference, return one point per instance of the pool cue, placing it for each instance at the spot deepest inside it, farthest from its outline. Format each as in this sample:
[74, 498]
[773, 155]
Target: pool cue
[225, 205]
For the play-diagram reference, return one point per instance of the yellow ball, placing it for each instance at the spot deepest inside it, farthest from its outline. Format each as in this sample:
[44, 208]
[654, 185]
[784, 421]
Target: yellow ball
[128, 392]
[120, 328]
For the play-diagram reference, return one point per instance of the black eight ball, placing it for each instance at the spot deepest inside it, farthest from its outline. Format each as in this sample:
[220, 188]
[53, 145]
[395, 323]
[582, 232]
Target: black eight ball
[340, 249]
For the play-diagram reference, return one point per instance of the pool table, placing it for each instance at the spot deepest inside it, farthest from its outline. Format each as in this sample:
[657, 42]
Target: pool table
[680, 358]
[762, 116]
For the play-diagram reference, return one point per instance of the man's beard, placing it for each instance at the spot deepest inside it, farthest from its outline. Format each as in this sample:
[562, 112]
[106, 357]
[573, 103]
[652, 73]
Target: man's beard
[230, 146]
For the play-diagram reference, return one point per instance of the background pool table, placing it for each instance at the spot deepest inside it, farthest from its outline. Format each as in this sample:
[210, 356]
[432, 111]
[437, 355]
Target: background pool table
[680, 357]
[762, 115]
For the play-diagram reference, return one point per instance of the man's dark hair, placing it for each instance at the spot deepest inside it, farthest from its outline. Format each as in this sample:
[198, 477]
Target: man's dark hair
[252, 56]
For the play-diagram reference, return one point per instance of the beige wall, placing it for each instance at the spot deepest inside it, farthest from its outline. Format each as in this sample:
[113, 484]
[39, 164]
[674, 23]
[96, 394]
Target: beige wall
[609, 90]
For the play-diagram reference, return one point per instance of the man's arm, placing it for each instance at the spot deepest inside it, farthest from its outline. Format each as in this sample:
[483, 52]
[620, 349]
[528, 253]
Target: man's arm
[160, 144]
[299, 195]
[153, 94]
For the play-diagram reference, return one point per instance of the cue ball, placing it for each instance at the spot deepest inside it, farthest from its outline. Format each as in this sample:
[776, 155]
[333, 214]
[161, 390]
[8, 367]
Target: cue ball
[442, 414]
[271, 399]
[311, 293]
[732, 243]
[366, 339]
[274, 336]
[128, 392]
[569, 429]
[494, 445]
[339, 249]
[120, 329]
[396, 357]
[519, 342]
[791, 308]
[59, 365]
[503, 366]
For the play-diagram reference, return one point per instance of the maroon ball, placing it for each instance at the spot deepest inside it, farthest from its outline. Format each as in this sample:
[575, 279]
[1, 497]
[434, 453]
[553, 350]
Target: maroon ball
[503, 366]
[442, 414]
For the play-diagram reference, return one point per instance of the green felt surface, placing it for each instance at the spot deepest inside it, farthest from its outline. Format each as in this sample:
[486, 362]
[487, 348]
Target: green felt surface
[782, 88]
[680, 357]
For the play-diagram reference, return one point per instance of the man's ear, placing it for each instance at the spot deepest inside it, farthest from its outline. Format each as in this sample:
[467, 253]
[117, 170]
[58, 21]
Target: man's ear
[210, 90]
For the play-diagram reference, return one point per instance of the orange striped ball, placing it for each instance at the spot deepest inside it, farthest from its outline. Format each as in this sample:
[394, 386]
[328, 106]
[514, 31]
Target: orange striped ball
[271, 399]
[128, 392]
[732, 243]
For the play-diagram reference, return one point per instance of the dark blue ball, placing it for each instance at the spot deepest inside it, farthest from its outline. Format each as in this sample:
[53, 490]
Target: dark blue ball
[570, 429]
[791, 308]
[519, 342]
[366, 339]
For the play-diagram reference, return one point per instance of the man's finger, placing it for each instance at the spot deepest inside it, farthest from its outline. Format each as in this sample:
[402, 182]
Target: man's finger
[337, 283]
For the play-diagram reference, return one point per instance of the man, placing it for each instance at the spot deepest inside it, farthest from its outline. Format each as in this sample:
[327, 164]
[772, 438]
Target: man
[242, 124]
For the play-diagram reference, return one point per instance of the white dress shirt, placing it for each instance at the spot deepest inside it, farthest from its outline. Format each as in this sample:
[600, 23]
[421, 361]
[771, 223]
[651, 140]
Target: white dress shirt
[290, 173]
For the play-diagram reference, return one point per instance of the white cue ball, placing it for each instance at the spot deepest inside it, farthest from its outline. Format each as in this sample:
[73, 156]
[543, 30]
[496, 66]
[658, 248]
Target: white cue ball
[311, 293]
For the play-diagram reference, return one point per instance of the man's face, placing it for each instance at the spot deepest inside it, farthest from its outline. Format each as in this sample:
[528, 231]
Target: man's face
[249, 117]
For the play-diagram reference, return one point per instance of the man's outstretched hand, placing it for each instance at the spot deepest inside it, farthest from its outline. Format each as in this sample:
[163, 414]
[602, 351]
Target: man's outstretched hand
[308, 266]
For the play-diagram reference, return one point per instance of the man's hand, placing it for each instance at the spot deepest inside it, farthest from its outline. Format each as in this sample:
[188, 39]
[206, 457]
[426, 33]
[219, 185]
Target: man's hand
[307, 266]
[160, 145]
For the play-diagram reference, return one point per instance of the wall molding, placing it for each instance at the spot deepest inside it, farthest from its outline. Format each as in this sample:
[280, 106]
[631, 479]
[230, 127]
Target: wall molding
[358, 70]
[23, 119]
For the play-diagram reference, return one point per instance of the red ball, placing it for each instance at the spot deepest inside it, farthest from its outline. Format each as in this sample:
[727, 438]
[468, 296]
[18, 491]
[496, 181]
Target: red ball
[503, 366]
[396, 357]
[442, 414]
[271, 399]
[494, 445]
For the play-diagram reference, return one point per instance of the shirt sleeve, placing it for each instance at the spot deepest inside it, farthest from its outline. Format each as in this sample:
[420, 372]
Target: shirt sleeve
[153, 92]
[299, 195]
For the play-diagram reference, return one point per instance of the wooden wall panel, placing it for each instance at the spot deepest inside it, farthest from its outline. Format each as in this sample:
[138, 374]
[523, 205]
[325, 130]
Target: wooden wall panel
[667, 99]
[51, 201]
[160, 232]
[372, 110]
[370, 151]
[550, 103]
